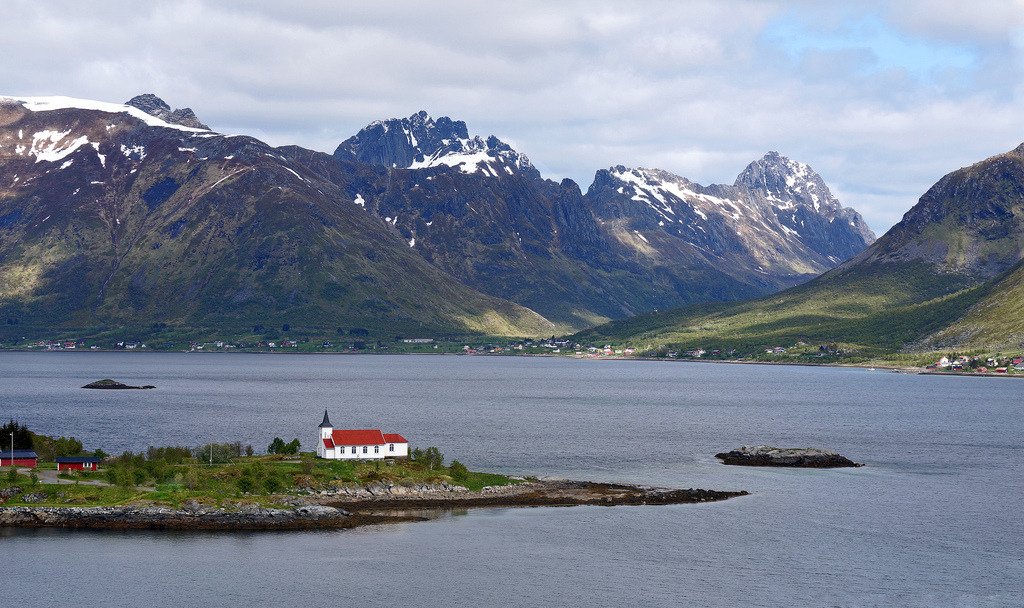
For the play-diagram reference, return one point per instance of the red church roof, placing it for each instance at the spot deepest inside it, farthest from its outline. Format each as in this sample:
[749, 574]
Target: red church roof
[328, 443]
[358, 437]
[394, 438]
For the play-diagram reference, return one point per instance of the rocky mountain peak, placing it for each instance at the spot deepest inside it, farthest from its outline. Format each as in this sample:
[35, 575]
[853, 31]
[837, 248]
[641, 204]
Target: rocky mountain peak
[787, 183]
[154, 106]
[420, 142]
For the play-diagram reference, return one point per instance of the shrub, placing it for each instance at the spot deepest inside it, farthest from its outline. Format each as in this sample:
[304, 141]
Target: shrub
[458, 471]
[221, 452]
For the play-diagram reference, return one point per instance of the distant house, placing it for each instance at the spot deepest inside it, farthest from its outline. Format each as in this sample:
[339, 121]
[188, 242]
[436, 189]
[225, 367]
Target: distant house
[77, 463]
[358, 444]
[22, 458]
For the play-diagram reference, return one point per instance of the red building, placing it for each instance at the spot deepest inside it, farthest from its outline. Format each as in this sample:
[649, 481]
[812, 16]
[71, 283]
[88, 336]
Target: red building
[22, 458]
[77, 463]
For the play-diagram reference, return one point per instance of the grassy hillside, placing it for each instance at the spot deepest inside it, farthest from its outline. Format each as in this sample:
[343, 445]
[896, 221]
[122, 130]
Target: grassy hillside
[866, 310]
[995, 322]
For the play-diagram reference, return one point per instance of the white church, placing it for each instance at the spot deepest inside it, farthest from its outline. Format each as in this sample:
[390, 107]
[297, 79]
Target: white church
[359, 444]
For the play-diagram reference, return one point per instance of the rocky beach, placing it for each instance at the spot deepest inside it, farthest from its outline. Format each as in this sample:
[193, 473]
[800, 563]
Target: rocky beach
[351, 507]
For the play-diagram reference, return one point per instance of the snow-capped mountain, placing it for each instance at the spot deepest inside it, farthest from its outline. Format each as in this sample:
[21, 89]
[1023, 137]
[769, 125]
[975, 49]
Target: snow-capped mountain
[420, 142]
[135, 214]
[779, 216]
[115, 220]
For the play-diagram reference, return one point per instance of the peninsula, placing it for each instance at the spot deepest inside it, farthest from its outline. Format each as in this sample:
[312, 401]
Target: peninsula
[276, 492]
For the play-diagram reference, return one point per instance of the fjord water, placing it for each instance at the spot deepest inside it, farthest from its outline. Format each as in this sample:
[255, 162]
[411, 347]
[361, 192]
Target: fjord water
[933, 520]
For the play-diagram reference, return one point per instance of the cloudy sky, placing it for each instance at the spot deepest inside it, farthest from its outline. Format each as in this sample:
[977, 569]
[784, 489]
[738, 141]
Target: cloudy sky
[881, 98]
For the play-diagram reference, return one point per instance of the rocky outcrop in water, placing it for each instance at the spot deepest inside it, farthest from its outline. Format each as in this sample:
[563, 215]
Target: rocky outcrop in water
[107, 383]
[768, 456]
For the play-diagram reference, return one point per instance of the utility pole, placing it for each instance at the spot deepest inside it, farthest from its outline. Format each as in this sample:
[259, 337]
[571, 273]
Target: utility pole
[12, 450]
[211, 454]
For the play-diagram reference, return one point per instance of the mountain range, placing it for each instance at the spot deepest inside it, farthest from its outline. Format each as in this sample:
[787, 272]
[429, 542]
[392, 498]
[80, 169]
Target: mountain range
[949, 276]
[134, 218]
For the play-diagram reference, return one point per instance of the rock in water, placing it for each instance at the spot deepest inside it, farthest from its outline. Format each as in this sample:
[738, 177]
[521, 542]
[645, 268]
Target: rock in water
[768, 456]
[114, 384]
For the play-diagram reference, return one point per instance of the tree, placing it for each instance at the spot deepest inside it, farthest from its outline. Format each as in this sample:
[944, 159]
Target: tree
[51, 448]
[276, 446]
[431, 458]
[292, 447]
[22, 436]
[458, 471]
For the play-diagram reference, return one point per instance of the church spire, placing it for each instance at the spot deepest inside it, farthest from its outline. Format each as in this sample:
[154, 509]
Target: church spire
[327, 421]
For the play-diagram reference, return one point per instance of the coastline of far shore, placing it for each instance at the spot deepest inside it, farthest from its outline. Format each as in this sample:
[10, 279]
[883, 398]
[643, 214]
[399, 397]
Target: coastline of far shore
[888, 367]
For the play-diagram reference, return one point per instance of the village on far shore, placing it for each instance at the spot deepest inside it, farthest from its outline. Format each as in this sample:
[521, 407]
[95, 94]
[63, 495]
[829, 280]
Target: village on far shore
[357, 341]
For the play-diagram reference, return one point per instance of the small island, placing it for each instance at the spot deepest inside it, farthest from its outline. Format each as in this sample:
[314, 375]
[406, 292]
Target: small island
[769, 456]
[107, 383]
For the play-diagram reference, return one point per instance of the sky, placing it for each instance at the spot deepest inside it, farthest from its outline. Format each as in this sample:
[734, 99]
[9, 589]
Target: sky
[881, 98]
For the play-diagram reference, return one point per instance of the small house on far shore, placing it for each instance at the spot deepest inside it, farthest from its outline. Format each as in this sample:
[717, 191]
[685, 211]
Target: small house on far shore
[22, 458]
[77, 463]
[358, 444]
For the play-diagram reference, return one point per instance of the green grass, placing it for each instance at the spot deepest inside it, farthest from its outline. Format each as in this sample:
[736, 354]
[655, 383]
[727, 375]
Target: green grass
[869, 311]
[261, 480]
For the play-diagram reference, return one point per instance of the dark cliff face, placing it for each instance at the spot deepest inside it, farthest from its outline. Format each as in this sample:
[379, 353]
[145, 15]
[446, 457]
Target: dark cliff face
[970, 222]
[400, 142]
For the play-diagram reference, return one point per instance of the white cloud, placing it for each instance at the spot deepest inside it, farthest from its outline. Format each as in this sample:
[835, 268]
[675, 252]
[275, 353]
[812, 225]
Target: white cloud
[698, 88]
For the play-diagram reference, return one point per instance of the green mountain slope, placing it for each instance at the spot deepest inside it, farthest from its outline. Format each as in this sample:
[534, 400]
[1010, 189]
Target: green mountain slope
[995, 322]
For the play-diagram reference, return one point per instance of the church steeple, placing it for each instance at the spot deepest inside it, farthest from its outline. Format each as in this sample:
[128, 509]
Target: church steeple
[326, 424]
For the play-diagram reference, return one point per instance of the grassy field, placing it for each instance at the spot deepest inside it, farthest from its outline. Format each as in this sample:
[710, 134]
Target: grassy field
[267, 480]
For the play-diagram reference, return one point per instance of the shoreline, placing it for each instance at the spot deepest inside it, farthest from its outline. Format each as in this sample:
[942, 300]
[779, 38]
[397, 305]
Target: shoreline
[345, 510]
[893, 368]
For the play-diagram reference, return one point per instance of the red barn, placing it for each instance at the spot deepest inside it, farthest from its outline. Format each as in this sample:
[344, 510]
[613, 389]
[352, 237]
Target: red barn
[77, 463]
[22, 458]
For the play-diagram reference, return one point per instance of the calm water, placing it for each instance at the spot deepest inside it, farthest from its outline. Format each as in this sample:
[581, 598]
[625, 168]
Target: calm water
[934, 520]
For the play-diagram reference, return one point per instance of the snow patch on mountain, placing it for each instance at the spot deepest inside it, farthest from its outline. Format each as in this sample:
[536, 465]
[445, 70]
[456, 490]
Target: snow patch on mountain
[49, 104]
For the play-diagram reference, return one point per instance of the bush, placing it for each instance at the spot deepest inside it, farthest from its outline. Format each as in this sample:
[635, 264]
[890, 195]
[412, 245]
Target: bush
[458, 471]
[222, 453]
[51, 448]
[169, 454]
